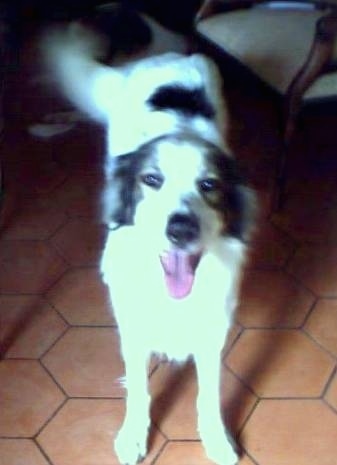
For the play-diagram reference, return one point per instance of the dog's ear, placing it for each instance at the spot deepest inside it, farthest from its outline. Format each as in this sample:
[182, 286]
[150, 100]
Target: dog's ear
[238, 202]
[122, 192]
[243, 208]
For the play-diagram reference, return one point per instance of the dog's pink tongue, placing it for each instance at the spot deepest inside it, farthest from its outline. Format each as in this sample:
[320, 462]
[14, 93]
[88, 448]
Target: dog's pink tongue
[179, 275]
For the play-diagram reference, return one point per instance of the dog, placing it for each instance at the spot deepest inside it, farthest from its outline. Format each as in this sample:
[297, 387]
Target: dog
[179, 216]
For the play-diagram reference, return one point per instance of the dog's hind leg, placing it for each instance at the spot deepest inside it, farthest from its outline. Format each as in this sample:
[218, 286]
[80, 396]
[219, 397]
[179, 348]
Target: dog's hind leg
[212, 432]
[131, 441]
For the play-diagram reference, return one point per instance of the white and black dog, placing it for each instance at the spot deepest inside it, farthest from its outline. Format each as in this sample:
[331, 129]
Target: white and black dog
[179, 216]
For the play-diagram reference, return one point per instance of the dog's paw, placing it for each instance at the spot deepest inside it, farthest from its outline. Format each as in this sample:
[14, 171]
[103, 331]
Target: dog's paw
[129, 450]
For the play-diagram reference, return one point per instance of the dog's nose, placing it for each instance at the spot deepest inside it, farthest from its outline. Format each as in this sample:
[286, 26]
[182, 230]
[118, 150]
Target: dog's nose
[182, 229]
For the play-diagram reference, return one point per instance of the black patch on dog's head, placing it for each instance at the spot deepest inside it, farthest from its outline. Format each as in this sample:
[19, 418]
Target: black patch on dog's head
[189, 102]
[128, 194]
[236, 202]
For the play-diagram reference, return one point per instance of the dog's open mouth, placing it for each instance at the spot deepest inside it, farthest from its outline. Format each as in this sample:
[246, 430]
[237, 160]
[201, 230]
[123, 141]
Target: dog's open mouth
[179, 268]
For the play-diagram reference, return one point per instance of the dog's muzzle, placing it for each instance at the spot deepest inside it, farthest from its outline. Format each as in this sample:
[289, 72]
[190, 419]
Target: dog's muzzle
[179, 262]
[183, 229]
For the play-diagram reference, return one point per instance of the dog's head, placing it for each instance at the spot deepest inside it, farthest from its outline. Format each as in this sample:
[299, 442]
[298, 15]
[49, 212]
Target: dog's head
[183, 194]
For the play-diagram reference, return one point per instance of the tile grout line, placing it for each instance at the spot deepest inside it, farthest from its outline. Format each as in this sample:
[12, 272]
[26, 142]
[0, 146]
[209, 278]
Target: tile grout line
[43, 452]
[161, 449]
[309, 313]
[51, 376]
[50, 418]
[49, 348]
[317, 343]
[329, 382]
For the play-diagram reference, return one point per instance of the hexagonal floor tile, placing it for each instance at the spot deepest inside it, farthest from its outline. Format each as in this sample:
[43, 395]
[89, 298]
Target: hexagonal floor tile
[82, 148]
[189, 453]
[331, 395]
[308, 192]
[29, 326]
[287, 432]
[49, 178]
[184, 453]
[28, 397]
[271, 299]
[236, 401]
[307, 222]
[83, 431]
[316, 268]
[322, 324]
[233, 334]
[36, 171]
[80, 242]
[282, 363]
[82, 298]
[20, 451]
[45, 177]
[245, 460]
[174, 394]
[34, 219]
[270, 248]
[28, 267]
[80, 195]
[86, 362]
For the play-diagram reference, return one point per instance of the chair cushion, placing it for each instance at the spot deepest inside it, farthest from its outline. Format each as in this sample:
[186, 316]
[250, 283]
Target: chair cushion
[272, 43]
[325, 86]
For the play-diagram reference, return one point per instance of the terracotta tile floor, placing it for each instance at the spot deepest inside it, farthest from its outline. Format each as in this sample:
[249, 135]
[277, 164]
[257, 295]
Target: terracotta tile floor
[60, 400]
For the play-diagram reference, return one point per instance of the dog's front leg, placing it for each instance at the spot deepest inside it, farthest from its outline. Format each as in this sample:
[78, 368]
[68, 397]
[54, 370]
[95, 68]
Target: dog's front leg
[212, 432]
[131, 441]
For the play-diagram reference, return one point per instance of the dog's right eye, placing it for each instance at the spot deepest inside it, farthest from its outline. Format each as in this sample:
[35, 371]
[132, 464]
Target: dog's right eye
[209, 185]
[152, 180]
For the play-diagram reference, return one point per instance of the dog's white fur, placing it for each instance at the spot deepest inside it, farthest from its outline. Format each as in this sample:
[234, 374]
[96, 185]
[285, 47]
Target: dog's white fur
[149, 319]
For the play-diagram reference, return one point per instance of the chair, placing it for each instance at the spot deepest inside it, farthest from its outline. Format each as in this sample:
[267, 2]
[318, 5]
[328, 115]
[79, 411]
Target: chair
[288, 45]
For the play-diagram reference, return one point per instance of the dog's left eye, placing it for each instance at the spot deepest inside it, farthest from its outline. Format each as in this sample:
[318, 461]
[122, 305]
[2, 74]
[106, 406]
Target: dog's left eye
[152, 180]
[209, 185]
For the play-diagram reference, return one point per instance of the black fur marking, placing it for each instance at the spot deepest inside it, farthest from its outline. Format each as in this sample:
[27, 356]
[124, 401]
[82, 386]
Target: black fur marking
[242, 212]
[190, 102]
[125, 178]
[236, 201]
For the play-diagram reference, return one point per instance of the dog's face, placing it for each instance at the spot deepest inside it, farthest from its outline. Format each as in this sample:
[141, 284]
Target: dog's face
[182, 193]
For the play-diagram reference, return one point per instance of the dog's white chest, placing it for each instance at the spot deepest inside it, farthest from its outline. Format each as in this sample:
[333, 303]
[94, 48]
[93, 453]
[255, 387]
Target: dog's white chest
[145, 311]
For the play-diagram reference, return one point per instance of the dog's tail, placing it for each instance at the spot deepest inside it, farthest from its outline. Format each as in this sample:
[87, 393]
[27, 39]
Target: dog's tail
[78, 55]
[73, 55]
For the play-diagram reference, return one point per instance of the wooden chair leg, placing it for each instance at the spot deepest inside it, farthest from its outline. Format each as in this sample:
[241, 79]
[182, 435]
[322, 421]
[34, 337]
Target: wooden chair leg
[1, 184]
[281, 179]
[290, 119]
